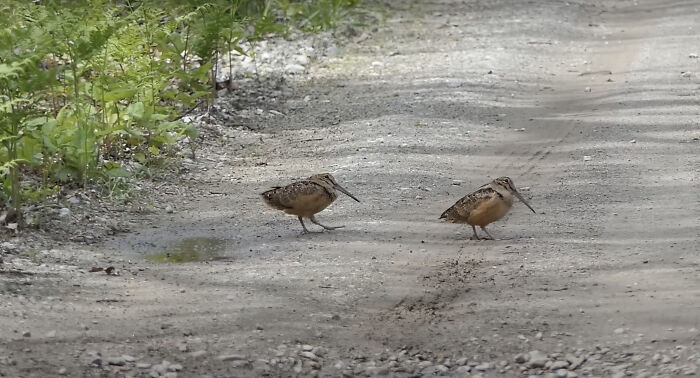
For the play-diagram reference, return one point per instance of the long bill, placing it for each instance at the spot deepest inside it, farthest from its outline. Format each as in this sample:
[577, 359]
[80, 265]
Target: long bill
[346, 192]
[523, 199]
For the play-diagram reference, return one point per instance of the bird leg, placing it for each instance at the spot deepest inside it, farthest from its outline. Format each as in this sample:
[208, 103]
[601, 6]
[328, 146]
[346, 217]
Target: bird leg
[314, 221]
[475, 237]
[303, 225]
[487, 233]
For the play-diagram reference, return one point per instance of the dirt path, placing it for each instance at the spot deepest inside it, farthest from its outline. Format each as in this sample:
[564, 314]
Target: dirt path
[591, 105]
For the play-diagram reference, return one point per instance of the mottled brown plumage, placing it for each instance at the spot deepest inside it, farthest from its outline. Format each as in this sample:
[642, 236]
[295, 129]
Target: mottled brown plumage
[485, 205]
[305, 198]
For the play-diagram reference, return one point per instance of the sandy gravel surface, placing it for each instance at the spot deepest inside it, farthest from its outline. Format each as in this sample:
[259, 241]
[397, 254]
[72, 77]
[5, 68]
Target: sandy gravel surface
[590, 107]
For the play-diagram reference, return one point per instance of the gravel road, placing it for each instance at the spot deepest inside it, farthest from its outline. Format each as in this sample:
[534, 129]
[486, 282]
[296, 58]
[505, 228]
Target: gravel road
[590, 107]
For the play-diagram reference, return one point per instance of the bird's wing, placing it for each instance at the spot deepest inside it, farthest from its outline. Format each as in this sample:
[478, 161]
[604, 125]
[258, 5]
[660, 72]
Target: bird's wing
[465, 205]
[285, 197]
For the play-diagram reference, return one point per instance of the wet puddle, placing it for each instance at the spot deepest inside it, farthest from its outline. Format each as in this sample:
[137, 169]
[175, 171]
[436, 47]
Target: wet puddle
[190, 250]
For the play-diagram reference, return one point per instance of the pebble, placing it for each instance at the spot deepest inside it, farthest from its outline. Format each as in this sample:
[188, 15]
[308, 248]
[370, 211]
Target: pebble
[434, 370]
[377, 64]
[463, 369]
[159, 369]
[301, 59]
[199, 353]
[128, 358]
[143, 365]
[556, 365]
[51, 334]
[574, 361]
[294, 68]
[309, 355]
[693, 56]
[537, 359]
[522, 358]
[169, 209]
[62, 371]
[483, 367]
[174, 367]
[231, 357]
[457, 182]
[587, 158]
[619, 331]
[332, 50]
[26, 334]
[117, 361]
[64, 212]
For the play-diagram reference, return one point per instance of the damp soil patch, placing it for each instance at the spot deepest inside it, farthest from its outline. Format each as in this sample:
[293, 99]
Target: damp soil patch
[190, 250]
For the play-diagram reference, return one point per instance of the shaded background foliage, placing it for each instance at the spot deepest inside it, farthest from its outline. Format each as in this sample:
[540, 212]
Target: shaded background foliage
[86, 85]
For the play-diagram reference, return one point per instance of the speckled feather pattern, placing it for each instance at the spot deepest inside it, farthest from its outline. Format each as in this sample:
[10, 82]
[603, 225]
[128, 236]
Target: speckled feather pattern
[460, 211]
[287, 197]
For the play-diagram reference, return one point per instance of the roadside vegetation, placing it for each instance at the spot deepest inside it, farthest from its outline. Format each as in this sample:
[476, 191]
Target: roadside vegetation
[86, 86]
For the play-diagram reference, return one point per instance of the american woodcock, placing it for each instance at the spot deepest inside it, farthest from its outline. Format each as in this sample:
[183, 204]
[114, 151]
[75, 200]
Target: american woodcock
[485, 205]
[305, 198]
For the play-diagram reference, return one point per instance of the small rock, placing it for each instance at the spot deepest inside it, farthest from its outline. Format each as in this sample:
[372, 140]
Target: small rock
[294, 69]
[377, 64]
[633, 141]
[174, 367]
[116, 361]
[159, 369]
[128, 358]
[297, 367]
[332, 50]
[434, 370]
[143, 365]
[556, 365]
[199, 353]
[686, 74]
[424, 364]
[73, 200]
[309, 355]
[307, 348]
[62, 371]
[97, 361]
[562, 373]
[64, 212]
[522, 358]
[169, 209]
[574, 361]
[693, 56]
[457, 182]
[26, 334]
[587, 158]
[483, 367]
[537, 359]
[539, 335]
[587, 89]
[463, 369]
[51, 334]
[307, 98]
[301, 59]
[619, 331]
[231, 357]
